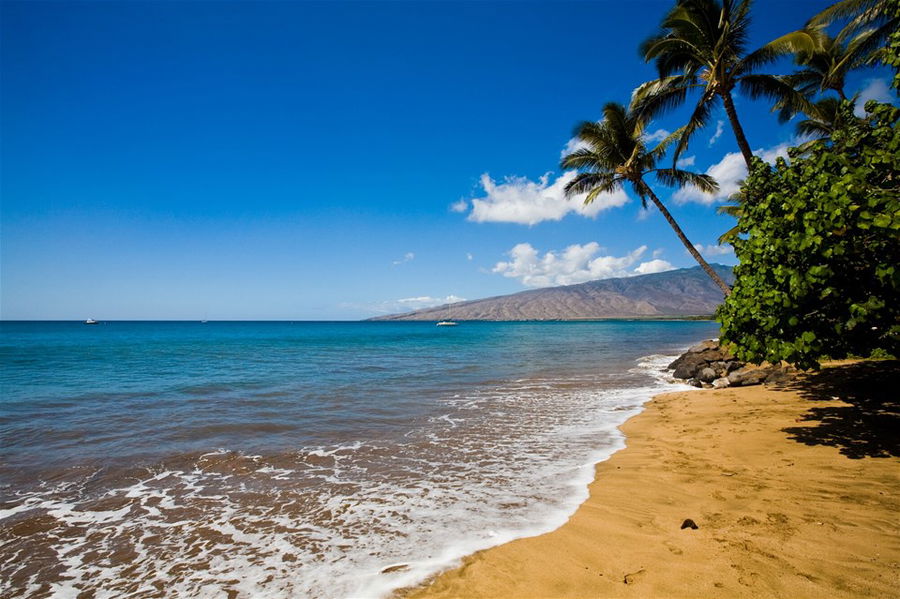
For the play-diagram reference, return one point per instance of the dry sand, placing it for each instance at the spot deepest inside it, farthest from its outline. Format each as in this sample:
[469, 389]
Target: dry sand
[796, 494]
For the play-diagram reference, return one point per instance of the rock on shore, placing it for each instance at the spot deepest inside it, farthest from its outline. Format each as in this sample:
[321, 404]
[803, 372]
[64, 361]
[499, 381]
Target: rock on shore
[708, 364]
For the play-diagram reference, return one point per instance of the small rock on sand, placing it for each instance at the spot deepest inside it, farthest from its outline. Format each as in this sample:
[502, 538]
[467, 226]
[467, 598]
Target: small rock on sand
[688, 523]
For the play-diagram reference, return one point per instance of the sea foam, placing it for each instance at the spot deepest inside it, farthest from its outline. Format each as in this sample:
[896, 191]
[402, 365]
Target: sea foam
[361, 519]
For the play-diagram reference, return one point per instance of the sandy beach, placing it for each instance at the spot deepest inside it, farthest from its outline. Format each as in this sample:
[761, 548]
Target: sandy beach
[795, 491]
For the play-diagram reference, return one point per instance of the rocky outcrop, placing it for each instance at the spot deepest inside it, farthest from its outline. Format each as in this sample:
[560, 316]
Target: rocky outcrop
[708, 364]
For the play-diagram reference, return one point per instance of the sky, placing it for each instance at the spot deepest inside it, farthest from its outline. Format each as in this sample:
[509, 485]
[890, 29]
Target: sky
[329, 160]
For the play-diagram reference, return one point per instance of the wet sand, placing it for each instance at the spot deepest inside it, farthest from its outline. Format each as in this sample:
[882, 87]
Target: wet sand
[795, 490]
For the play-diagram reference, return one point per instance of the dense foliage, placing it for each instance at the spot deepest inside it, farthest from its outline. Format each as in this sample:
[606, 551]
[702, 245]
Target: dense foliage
[892, 55]
[819, 249]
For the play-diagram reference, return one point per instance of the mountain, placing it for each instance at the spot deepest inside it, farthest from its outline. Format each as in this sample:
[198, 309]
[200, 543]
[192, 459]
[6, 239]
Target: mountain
[684, 292]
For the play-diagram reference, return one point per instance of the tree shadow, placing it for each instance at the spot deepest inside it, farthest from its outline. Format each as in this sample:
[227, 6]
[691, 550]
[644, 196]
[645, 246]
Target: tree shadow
[869, 426]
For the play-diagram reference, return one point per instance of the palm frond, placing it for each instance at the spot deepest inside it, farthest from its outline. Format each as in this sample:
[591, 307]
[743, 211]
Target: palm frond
[698, 120]
[587, 182]
[868, 9]
[653, 98]
[663, 146]
[675, 177]
[803, 43]
[785, 98]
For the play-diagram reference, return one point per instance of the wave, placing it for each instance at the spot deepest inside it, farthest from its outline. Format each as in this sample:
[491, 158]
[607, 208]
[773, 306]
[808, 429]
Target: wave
[362, 518]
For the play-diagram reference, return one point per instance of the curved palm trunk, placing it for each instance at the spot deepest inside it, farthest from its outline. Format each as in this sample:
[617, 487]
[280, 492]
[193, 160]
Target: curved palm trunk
[689, 246]
[736, 126]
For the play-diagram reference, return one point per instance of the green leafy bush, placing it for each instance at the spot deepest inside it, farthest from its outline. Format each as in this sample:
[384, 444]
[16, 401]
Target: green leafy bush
[819, 249]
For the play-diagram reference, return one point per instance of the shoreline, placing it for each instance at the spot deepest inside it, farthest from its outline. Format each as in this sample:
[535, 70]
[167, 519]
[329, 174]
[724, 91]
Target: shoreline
[792, 496]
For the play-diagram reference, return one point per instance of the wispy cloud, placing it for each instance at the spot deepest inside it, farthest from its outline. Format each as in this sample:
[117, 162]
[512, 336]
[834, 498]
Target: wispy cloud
[407, 257]
[575, 264]
[686, 161]
[523, 201]
[459, 206]
[658, 135]
[407, 304]
[711, 251]
[720, 128]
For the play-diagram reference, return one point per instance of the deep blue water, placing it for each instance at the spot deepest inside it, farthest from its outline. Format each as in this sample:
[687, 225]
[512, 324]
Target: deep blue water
[300, 459]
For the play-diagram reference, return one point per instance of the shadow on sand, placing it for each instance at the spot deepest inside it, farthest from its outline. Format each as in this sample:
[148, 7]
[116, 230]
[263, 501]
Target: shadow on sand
[869, 426]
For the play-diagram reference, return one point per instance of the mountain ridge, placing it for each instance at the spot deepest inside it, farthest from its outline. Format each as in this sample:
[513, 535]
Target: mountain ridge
[684, 292]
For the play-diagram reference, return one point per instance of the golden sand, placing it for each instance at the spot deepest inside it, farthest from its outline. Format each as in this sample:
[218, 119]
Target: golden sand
[796, 492]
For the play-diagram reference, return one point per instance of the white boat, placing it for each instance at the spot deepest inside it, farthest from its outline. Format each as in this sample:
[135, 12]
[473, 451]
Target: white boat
[91, 321]
[446, 323]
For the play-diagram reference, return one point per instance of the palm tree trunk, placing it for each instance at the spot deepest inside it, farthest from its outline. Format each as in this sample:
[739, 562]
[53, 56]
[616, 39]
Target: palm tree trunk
[736, 126]
[689, 246]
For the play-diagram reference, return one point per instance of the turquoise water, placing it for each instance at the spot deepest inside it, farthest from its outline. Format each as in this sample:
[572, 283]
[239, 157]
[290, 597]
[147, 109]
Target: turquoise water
[300, 459]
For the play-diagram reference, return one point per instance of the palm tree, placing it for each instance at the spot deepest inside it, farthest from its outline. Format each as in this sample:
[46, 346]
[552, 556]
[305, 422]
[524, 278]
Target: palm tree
[826, 68]
[828, 115]
[861, 14]
[702, 48]
[614, 154]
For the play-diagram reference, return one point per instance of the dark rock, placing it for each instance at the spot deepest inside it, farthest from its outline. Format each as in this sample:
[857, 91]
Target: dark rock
[687, 369]
[703, 346]
[694, 382]
[733, 365]
[749, 374]
[705, 355]
[707, 375]
[689, 524]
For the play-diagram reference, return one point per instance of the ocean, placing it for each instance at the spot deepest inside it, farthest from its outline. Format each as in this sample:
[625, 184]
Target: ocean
[300, 459]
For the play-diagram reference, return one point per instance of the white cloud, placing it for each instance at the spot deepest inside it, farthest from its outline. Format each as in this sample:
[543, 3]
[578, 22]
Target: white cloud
[520, 200]
[875, 89]
[406, 258]
[469, 256]
[688, 161]
[710, 250]
[575, 264]
[658, 135]
[720, 128]
[426, 301]
[459, 206]
[658, 252]
[646, 268]
[406, 304]
[728, 172]
[571, 146]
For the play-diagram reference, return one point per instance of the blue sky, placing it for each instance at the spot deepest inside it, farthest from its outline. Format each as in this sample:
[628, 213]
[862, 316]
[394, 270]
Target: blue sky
[277, 160]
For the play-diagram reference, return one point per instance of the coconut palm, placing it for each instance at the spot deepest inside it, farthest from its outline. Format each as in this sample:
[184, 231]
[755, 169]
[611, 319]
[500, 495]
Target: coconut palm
[702, 47]
[826, 68]
[825, 119]
[879, 15]
[828, 115]
[614, 153]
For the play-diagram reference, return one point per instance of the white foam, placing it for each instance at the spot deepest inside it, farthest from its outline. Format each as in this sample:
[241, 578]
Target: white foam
[493, 465]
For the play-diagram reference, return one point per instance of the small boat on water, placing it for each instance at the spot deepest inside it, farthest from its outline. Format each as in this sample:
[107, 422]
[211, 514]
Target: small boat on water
[91, 321]
[446, 323]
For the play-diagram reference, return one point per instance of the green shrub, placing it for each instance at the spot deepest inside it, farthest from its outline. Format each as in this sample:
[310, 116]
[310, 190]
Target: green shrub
[819, 249]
